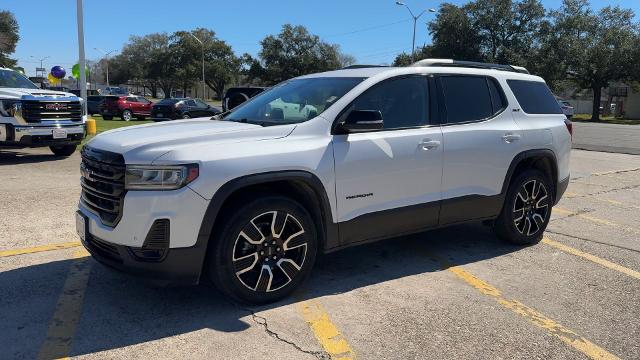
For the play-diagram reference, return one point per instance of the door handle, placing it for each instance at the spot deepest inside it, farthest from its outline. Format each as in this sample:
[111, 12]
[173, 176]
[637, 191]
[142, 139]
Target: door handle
[509, 138]
[428, 144]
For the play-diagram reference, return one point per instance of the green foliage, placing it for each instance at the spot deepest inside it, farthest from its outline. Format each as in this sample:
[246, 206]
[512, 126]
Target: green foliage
[9, 37]
[294, 52]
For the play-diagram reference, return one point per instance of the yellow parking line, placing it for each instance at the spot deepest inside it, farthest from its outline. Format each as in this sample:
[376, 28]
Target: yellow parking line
[566, 335]
[62, 325]
[593, 258]
[36, 249]
[596, 220]
[327, 334]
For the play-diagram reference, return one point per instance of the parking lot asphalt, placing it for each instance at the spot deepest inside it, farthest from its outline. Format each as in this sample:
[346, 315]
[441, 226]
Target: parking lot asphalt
[454, 293]
[615, 138]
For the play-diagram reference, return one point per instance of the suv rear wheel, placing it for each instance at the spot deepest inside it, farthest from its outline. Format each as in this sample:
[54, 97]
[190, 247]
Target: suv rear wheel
[63, 150]
[527, 208]
[264, 250]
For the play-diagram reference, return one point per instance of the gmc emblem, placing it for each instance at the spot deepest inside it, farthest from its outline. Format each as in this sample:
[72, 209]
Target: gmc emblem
[56, 106]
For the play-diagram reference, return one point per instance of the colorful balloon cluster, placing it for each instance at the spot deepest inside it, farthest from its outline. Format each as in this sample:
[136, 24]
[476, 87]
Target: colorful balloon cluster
[75, 70]
[56, 75]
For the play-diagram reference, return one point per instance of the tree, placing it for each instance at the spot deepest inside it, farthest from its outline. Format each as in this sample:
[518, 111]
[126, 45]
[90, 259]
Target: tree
[454, 35]
[595, 48]
[425, 52]
[9, 36]
[294, 52]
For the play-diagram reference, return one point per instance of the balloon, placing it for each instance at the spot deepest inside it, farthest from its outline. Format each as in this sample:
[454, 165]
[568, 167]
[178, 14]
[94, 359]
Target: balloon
[75, 70]
[58, 72]
[52, 79]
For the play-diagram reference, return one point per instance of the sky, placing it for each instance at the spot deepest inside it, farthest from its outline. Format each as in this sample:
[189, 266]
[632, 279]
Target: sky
[373, 31]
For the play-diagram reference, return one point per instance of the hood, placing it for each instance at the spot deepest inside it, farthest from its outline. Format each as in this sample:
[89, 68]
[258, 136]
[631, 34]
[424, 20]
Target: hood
[26, 94]
[144, 143]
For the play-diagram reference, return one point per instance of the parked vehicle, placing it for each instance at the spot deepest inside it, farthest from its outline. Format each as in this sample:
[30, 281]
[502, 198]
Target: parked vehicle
[368, 154]
[90, 92]
[34, 117]
[181, 108]
[59, 88]
[567, 108]
[126, 107]
[93, 104]
[114, 90]
[237, 95]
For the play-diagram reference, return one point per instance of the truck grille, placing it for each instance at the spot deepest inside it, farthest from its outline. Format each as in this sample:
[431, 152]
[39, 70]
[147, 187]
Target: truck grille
[102, 184]
[35, 111]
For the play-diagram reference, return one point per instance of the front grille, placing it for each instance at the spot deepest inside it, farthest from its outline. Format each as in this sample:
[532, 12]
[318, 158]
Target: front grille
[34, 111]
[104, 249]
[102, 184]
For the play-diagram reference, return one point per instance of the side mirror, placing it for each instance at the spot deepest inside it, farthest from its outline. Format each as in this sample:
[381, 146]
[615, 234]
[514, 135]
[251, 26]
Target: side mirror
[362, 120]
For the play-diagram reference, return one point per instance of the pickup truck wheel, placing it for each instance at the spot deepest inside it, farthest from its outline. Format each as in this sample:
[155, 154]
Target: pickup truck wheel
[264, 250]
[527, 209]
[186, 116]
[127, 115]
[140, 118]
[107, 117]
[63, 150]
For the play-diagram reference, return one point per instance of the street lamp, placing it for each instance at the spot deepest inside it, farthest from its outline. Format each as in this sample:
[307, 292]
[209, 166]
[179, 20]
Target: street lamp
[106, 56]
[41, 60]
[415, 20]
[201, 44]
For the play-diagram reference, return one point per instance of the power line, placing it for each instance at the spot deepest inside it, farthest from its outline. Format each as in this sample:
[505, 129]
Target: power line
[367, 29]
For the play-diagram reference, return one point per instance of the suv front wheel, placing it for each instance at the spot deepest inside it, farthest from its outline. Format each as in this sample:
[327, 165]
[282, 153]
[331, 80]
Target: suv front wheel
[527, 208]
[264, 250]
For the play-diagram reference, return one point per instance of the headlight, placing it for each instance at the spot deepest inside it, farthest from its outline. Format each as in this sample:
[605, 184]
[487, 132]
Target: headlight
[9, 108]
[139, 177]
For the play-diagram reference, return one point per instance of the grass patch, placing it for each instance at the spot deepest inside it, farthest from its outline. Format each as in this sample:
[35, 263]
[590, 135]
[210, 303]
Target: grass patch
[605, 120]
[104, 125]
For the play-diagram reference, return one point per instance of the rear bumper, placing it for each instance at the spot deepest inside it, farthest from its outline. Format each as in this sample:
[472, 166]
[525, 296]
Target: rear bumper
[561, 188]
[35, 136]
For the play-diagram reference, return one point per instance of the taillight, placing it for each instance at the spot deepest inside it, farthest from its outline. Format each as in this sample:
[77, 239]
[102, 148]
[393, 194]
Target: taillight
[569, 125]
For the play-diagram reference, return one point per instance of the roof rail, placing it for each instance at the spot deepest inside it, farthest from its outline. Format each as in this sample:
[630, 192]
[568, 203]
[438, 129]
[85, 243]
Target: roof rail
[470, 64]
[362, 66]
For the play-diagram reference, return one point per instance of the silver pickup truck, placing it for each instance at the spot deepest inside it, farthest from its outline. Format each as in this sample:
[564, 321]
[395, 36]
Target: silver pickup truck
[33, 117]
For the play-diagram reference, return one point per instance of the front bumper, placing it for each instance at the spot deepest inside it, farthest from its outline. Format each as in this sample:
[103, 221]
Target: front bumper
[34, 135]
[186, 251]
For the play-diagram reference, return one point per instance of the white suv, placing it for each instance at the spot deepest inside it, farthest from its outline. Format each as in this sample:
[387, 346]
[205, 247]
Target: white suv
[322, 162]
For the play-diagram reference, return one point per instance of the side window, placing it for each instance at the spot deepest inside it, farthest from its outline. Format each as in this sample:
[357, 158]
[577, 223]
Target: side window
[132, 99]
[466, 98]
[201, 104]
[534, 97]
[498, 100]
[143, 100]
[190, 103]
[402, 101]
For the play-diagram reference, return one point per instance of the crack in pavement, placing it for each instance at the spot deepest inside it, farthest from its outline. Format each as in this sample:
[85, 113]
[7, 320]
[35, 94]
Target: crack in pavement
[262, 321]
[591, 240]
[608, 191]
[607, 173]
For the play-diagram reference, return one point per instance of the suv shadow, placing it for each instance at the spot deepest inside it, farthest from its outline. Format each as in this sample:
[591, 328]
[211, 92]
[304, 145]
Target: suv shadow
[120, 311]
[17, 157]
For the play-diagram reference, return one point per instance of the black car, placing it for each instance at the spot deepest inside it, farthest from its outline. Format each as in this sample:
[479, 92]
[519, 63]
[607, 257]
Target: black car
[237, 95]
[93, 104]
[181, 108]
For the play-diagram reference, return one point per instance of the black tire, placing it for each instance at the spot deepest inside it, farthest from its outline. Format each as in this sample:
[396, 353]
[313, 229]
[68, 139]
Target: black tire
[127, 115]
[186, 116]
[237, 278]
[63, 150]
[523, 221]
[140, 118]
[107, 117]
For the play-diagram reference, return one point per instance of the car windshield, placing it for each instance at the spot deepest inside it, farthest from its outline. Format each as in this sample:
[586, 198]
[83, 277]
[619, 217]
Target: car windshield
[293, 101]
[13, 79]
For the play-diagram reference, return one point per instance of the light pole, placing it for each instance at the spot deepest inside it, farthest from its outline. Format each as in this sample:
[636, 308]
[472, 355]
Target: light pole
[81, 60]
[41, 60]
[203, 83]
[415, 20]
[106, 56]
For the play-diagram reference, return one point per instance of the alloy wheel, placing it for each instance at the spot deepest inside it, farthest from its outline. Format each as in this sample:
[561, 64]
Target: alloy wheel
[531, 207]
[126, 115]
[269, 251]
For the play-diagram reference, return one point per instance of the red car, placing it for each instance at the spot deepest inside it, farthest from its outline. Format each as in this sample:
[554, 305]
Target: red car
[126, 107]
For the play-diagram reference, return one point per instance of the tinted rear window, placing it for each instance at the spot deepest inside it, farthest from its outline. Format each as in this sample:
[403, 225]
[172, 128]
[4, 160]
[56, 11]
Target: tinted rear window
[167, 101]
[534, 97]
[467, 98]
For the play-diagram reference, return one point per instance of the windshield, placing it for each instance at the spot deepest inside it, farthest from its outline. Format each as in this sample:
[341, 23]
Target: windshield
[293, 101]
[13, 79]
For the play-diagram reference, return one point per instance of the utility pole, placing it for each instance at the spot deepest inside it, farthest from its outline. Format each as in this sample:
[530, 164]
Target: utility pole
[41, 60]
[415, 20]
[203, 83]
[106, 57]
[81, 62]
